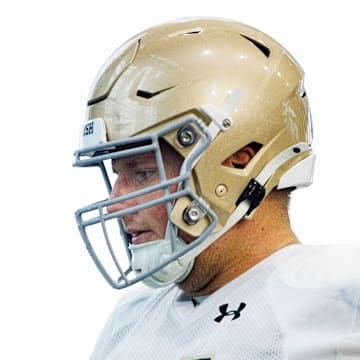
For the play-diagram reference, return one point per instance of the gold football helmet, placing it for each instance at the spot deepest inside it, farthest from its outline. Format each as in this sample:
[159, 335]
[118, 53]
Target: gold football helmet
[207, 87]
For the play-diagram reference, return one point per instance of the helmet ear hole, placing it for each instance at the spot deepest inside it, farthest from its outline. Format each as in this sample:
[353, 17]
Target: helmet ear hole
[242, 157]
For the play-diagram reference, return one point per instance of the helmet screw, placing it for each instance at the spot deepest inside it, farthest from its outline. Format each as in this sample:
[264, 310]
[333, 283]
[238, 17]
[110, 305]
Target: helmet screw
[193, 213]
[186, 136]
[221, 190]
[226, 123]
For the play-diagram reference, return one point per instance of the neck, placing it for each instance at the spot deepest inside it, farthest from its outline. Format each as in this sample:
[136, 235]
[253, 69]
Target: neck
[241, 248]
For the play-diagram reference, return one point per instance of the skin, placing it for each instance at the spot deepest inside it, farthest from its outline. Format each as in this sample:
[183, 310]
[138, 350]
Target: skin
[242, 247]
[134, 173]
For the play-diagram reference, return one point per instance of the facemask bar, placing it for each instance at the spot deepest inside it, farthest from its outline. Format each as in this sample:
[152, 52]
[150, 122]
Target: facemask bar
[133, 146]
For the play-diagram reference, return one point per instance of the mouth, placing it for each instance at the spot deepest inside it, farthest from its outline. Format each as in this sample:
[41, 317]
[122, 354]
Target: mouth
[137, 237]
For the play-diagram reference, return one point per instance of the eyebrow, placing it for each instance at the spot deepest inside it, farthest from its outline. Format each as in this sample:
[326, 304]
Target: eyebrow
[134, 161]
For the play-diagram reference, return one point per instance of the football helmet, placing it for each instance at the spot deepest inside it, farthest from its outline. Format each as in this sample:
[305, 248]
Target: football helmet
[206, 87]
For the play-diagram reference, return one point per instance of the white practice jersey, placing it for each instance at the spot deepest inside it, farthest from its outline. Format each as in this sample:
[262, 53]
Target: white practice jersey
[301, 303]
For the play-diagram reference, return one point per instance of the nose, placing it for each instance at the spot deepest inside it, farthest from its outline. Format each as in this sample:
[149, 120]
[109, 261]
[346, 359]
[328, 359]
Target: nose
[121, 187]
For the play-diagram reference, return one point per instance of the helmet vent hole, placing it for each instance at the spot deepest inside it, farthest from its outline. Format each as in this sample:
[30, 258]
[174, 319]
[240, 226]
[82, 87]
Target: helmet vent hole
[192, 31]
[145, 94]
[264, 49]
[148, 94]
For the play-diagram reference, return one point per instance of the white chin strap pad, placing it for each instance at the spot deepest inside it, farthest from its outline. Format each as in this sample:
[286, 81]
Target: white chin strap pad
[149, 255]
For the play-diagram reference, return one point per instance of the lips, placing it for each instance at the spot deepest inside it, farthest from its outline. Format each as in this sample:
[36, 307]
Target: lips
[140, 236]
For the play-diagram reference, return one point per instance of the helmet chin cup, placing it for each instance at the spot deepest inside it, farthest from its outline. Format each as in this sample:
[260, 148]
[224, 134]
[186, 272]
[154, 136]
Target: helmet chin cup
[152, 254]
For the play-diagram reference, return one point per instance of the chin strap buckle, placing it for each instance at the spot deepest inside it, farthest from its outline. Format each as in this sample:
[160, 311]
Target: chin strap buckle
[254, 193]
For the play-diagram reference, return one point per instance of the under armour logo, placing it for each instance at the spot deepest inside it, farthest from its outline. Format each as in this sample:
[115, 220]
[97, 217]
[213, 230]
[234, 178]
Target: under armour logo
[234, 313]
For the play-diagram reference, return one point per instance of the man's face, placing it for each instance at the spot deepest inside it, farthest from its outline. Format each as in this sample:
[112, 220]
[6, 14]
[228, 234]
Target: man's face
[134, 173]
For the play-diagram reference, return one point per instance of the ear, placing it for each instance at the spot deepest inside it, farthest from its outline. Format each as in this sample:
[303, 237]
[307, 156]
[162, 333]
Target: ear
[241, 158]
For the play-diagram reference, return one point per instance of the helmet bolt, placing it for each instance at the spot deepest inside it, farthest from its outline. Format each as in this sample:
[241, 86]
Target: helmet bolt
[186, 136]
[193, 213]
[221, 190]
[226, 123]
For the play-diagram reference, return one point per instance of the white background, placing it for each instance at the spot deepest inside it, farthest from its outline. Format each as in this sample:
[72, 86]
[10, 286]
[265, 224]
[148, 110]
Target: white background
[53, 302]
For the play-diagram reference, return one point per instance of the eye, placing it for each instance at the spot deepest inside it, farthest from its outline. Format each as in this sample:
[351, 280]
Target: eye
[143, 176]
